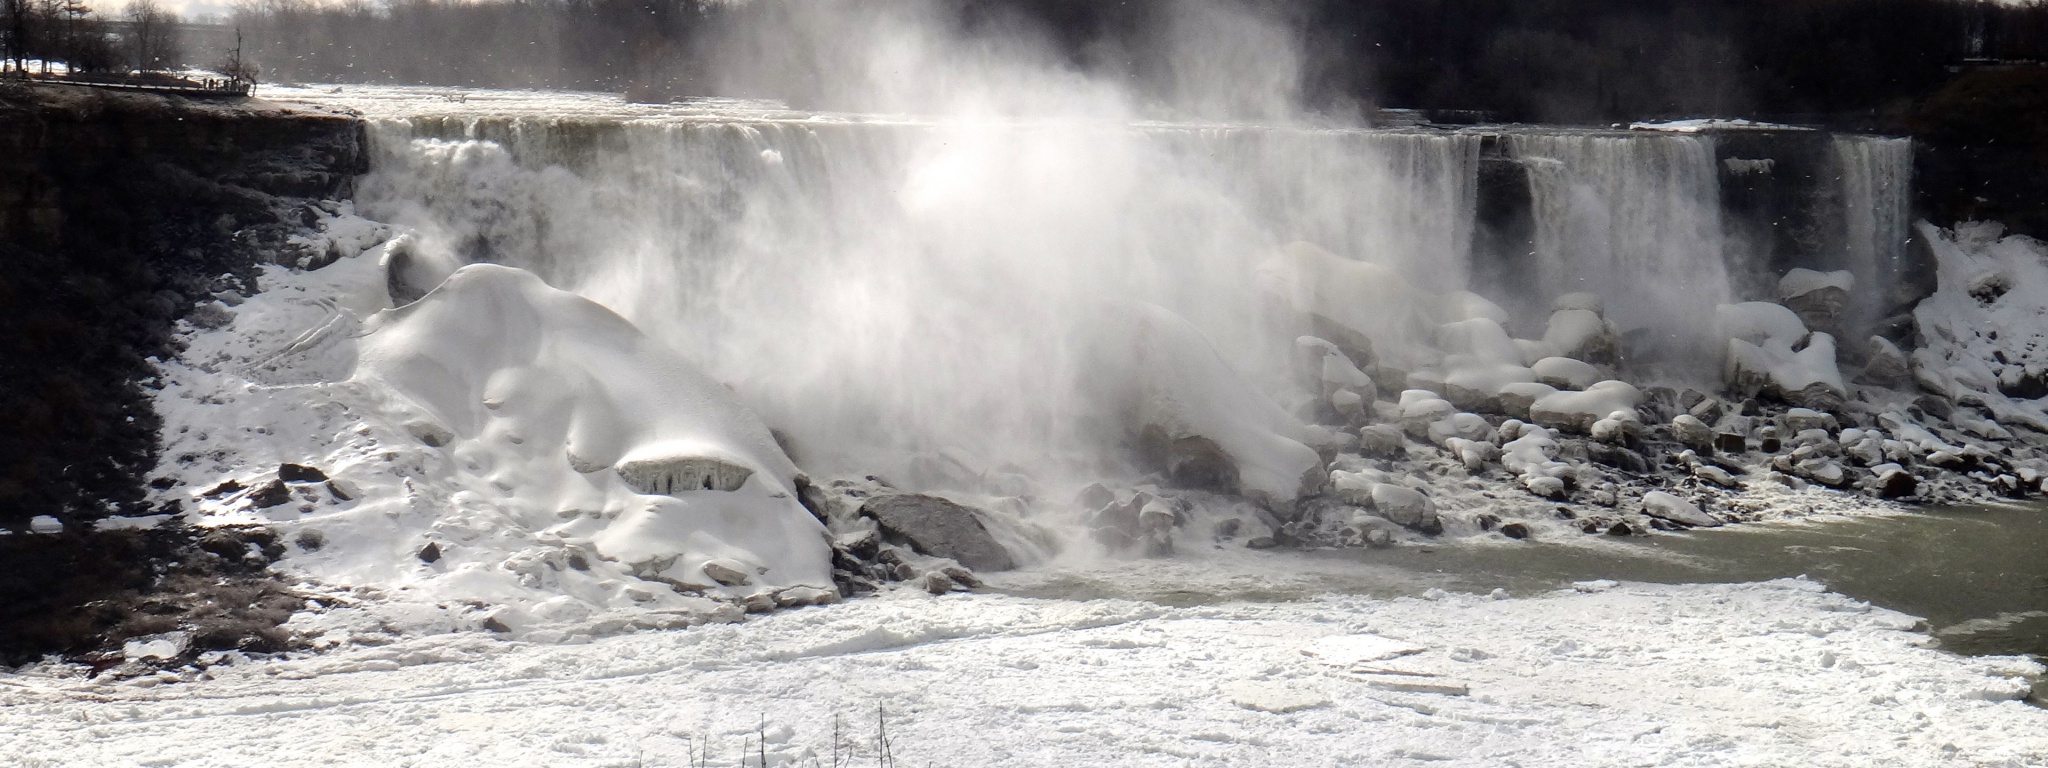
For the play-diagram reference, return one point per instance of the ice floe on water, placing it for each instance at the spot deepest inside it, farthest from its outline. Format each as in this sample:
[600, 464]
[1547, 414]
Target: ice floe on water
[1610, 674]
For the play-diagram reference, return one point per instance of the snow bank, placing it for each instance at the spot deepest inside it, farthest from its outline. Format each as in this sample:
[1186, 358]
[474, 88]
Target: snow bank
[1607, 674]
[1986, 342]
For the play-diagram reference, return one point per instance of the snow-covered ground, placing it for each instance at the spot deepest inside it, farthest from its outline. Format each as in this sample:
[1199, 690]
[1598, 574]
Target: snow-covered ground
[1777, 673]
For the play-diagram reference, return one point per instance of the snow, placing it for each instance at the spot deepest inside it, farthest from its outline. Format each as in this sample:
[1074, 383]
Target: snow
[499, 420]
[1614, 674]
[1371, 299]
[1984, 326]
[45, 524]
[1700, 124]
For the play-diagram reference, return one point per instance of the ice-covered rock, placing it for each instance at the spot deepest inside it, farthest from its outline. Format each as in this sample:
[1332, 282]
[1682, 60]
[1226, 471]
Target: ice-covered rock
[1582, 334]
[1565, 373]
[1983, 337]
[1584, 301]
[1888, 366]
[1330, 292]
[1577, 411]
[1405, 506]
[1669, 507]
[1817, 297]
[1381, 442]
[1770, 352]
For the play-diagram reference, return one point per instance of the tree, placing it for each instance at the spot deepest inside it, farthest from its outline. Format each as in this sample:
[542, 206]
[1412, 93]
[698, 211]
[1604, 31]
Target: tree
[152, 36]
[238, 70]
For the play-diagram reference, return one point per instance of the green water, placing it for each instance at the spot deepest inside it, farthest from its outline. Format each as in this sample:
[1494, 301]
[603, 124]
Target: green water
[1979, 575]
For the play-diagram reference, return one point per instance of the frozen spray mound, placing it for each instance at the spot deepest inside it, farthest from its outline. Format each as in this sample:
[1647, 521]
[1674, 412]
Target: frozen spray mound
[566, 411]
[496, 454]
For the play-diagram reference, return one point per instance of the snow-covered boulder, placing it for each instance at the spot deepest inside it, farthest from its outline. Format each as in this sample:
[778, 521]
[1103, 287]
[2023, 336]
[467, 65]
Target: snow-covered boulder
[1819, 298]
[1677, 510]
[1770, 352]
[1565, 373]
[1582, 334]
[1577, 411]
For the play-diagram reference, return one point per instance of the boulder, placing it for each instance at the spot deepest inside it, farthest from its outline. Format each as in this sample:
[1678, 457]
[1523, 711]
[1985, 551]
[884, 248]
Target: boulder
[1565, 373]
[1406, 506]
[939, 528]
[1888, 366]
[1820, 308]
[1198, 463]
[1544, 486]
[1382, 442]
[300, 473]
[1730, 442]
[1692, 433]
[1892, 481]
[271, 494]
[1668, 507]
[1802, 419]
[727, 572]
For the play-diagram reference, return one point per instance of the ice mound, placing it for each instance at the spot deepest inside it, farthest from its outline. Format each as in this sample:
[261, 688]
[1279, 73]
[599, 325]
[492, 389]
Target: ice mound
[496, 454]
[1770, 351]
[524, 377]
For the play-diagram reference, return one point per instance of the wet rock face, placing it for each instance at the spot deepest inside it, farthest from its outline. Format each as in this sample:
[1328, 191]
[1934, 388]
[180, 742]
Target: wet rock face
[939, 528]
[118, 212]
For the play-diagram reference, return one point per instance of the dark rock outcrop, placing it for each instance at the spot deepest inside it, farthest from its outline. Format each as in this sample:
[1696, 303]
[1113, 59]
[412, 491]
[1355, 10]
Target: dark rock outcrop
[939, 528]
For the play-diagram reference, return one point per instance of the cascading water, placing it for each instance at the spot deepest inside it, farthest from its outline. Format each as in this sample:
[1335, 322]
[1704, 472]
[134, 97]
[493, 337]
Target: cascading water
[887, 290]
[1875, 177]
[1634, 218]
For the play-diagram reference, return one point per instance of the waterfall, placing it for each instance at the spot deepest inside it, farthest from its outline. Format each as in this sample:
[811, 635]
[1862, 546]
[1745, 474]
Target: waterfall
[1875, 175]
[906, 288]
[1634, 218]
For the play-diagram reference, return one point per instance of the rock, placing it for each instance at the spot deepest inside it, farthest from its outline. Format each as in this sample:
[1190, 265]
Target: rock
[1379, 538]
[430, 433]
[1405, 506]
[1199, 463]
[300, 473]
[1935, 406]
[1730, 442]
[271, 494]
[1094, 497]
[939, 528]
[727, 572]
[1677, 510]
[1544, 486]
[1565, 373]
[1820, 309]
[1356, 347]
[1888, 367]
[1823, 471]
[1818, 396]
[758, 602]
[1348, 404]
[1618, 457]
[1767, 440]
[1380, 441]
[1514, 530]
[1708, 411]
[1470, 426]
[430, 553]
[1801, 419]
[1261, 542]
[1692, 433]
[1894, 482]
[342, 491]
[1621, 529]
[1715, 475]
[798, 596]
[936, 583]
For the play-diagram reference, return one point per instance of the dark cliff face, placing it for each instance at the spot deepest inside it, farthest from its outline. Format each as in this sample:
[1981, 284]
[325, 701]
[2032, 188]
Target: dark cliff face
[117, 212]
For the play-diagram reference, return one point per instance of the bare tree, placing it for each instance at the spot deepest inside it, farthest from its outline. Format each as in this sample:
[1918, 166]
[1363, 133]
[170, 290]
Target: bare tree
[19, 25]
[152, 36]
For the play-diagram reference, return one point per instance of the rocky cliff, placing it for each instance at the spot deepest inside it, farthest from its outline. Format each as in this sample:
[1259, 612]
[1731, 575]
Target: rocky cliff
[118, 210]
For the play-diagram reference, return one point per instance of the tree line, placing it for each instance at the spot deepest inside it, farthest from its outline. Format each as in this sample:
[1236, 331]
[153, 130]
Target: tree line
[143, 37]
